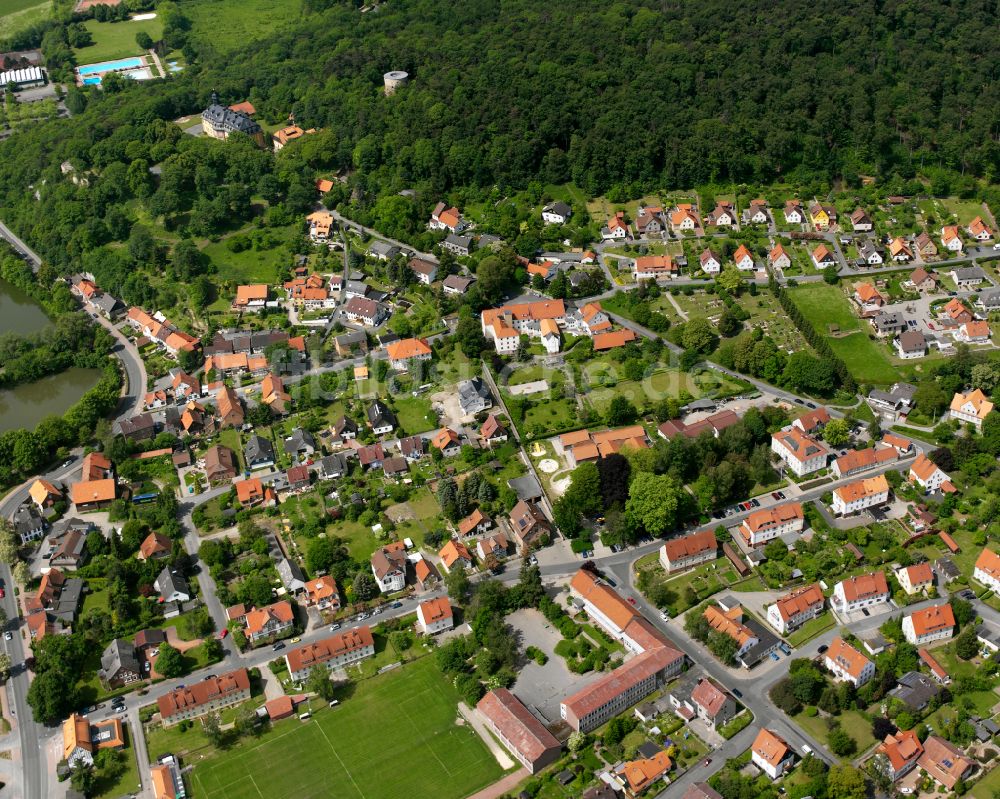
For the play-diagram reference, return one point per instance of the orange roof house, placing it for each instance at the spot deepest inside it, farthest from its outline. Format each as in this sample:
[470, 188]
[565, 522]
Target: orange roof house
[407, 349]
[163, 782]
[846, 660]
[95, 466]
[43, 493]
[246, 107]
[252, 491]
[155, 546]
[445, 439]
[770, 752]
[972, 407]
[322, 591]
[277, 615]
[867, 293]
[323, 185]
[978, 229]
[641, 774]
[254, 294]
[93, 493]
[609, 341]
[455, 552]
[901, 752]
[945, 762]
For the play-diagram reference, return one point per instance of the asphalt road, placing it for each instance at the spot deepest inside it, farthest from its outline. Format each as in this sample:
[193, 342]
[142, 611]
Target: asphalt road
[23, 249]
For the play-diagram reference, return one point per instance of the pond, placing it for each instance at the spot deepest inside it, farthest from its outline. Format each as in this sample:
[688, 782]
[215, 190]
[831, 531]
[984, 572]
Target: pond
[19, 313]
[29, 403]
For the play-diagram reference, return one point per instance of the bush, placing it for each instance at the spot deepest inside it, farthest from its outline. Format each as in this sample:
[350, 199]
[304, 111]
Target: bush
[811, 711]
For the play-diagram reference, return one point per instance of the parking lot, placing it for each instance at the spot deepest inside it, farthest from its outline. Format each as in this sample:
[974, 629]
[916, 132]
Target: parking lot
[541, 688]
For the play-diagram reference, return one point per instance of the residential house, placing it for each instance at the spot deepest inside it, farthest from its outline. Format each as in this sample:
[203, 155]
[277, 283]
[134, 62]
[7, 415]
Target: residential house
[710, 262]
[613, 340]
[641, 774]
[495, 545]
[339, 650]
[967, 276]
[119, 665]
[757, 213]
[951, 239]
[521, 734]
[406, 351]
[771, 754]
[333, 466]
[796, 608]
[915, 690]
[351, 344]
[320, 224]
[172, 586]
[371, 457]
[291, 576]
[322, 593]
[616, 229]
[389, 567]
[528, 524]
[811, 422]
[155, 547]
[979, 230]
[847, 663]
[345, 429]
[713, 705]
[493, 430]
[455, 554]
[505, 325]
[861, 460]
[857, 496]
[434, 616]
[458, 245]
[456, 284]
[911, 344]
[426, 271]
[211, 695]
[77, 746]
[822, 257]
[380, 419]
[868, 298]
[684, 218]
[655, 267]
[987, 569]
[956, 313]
[28, 523]
[868, 254]
[972, 407]
[365, 311]
[270, 621]
[977, 332]
[474, 396]
[229, 407]
[447, 441]
[253, 492]
[930, 477]
[860, 221]
[476, 523]
[945, 763]
[743, 259]
[860, 591]
[45, 494]
[445, 218]
[300, 444]
[297, 478]
[412, 448]
[922, 280]
[258, 452]
[687, 551]
[382, 250]
[916, 578]
[800, 453]
[778, 257]
[93, 494]
[929, 624]
[251, 298]
[723, 215]
[650, 222]
[925, 245]
[794, 215]
[557, 213]
[889, 324]
[899, 251]
[822, 216]
[897, 755]
[767, 524]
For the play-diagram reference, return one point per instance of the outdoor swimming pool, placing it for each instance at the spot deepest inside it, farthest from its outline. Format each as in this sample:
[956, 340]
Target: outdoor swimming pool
[110, 66]
[142, 73]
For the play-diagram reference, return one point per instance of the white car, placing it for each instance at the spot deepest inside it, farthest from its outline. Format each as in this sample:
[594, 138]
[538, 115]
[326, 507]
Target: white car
[8, 635]
[664, 616]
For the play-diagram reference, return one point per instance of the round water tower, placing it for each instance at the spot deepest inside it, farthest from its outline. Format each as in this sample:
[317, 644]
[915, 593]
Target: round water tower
[395, 79]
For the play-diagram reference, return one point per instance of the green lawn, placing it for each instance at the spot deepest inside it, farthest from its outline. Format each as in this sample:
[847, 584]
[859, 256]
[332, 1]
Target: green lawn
[414, 414]
[852, 722]
[15, 15]
[811, 629]
[127, 782]
[548, 417]
[230, 24]
[395, 737]
[867, 361]
[253, 265]
[987, 787]
[825, 305]
[116, 39]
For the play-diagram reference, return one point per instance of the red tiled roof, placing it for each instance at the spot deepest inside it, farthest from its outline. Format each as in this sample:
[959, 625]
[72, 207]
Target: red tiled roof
[516, 724]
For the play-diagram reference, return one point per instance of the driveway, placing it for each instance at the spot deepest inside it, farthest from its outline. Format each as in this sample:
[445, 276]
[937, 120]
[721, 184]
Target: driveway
[541, 688]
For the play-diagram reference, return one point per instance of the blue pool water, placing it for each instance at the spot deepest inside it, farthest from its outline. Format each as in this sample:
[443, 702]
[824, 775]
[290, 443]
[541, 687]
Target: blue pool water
[110, 66]
[92, 81]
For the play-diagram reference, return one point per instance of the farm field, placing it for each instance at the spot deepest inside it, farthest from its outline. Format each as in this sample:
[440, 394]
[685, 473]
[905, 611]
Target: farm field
[342, 752]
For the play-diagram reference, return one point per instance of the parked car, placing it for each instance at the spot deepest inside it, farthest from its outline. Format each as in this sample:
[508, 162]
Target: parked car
[224, 633]
[781, 495]
[754, 503]
[631, 600]
[296, 639]
[708, 761]
[737, 693]
[335, 626]
[278, 646]
[7, 635]
[822, 649]
[397, 604]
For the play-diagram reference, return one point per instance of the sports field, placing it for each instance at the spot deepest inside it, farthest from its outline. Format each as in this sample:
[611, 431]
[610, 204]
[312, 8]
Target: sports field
[395, 737]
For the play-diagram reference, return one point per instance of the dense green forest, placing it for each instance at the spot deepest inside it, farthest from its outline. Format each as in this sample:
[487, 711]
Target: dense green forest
[619, 98]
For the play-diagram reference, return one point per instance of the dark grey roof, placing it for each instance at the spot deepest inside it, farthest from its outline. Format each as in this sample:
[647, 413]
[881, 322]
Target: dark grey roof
[345, 424]
[358, 287]
[333, 465]
[352, 337]
[383, 249]
[118, 656]
[300, 440]
[766, 643]
[889, 321]
[291, 575]
[172, 582]
[867, 249]
[137, 425]
[989, 298]
[27, 520]
[469, 391]
[229, 121]
[65, 607]
[915, 690]
[379, 415]
[106, 302]
[258, 450]
[946, 567]
[462, 242]
[458, 282]
[969, 273]
[63, 526]
[989, 632]
[526, 487]
[558, 207]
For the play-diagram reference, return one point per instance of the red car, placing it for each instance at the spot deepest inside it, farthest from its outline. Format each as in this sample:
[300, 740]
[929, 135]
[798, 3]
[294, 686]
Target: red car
[224, 633]
[2, 593]
[631, 600]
